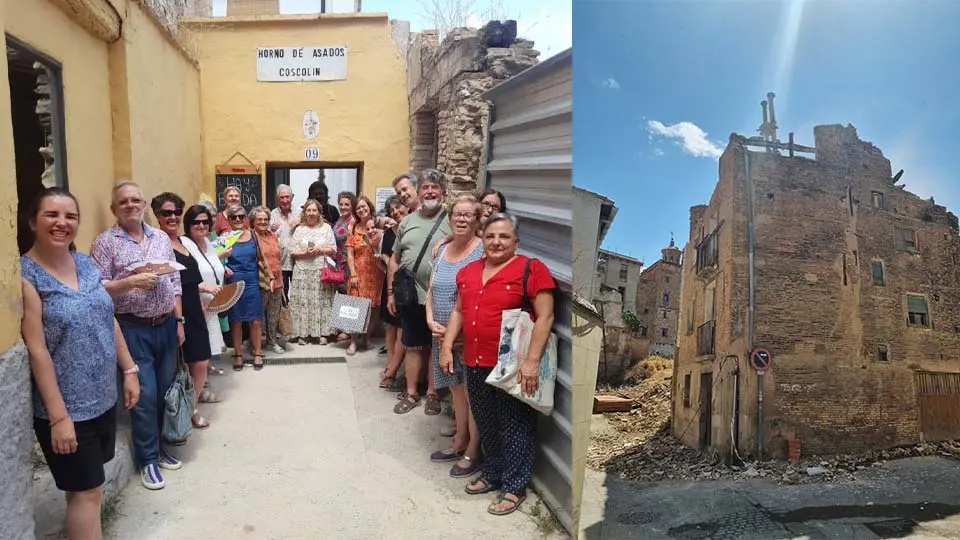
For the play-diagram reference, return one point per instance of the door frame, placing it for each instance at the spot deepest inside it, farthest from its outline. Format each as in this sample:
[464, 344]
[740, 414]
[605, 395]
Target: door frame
[271, 186]
[706, 410]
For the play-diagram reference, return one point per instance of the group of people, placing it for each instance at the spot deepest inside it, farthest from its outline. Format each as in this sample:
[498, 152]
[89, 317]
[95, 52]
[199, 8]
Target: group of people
[438, 274]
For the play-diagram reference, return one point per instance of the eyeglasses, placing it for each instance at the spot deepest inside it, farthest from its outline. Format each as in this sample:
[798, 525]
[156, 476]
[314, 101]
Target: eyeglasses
[201, 223]
[464, 215]
[238, 217]
[493, 206]
[167, 213]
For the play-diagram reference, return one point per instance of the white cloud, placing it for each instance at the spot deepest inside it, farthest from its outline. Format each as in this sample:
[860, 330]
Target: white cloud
[688, 136]
[657, 152]
[611, 83]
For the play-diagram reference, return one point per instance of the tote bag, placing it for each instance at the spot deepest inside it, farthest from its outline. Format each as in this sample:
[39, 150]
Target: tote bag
[516, 329]
[179, 404]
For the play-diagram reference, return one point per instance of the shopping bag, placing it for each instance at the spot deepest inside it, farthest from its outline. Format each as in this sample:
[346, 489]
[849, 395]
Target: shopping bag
[179, 403]
[285, 320]
[516, 330]
[351, 313]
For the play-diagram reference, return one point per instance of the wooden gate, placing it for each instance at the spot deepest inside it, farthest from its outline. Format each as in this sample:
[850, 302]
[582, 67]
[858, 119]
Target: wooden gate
[938, 402]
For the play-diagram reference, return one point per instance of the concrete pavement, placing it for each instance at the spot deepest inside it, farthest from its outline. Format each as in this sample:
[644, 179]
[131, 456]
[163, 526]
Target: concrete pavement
[313, 451]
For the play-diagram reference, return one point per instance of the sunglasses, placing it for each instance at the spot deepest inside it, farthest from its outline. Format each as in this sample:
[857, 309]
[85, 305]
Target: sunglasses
[167, 213]
[201, 223]
[238, 217]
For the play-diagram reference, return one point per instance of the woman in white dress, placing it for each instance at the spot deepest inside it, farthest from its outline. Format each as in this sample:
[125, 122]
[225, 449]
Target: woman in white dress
[196, 223]
[311, 301]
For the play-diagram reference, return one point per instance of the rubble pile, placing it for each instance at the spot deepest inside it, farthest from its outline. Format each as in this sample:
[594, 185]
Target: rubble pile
[638, 445]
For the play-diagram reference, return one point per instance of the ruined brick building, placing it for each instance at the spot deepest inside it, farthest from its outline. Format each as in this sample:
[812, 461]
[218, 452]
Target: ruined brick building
[853, 287]
[445, 81]
[657, 300]
[620, 273]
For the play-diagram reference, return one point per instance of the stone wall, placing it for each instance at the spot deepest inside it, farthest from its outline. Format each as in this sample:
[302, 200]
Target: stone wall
[622, 348]
[16, 446]
[818, 311]
[445, 81]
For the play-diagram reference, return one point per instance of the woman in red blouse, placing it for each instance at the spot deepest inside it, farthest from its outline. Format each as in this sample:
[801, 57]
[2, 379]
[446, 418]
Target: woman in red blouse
[507, 426]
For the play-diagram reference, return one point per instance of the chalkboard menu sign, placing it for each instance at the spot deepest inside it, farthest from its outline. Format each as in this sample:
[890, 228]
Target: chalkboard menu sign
[250, 188]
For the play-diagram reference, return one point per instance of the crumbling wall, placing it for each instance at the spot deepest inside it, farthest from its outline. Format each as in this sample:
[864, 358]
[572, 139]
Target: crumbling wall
[445, 83]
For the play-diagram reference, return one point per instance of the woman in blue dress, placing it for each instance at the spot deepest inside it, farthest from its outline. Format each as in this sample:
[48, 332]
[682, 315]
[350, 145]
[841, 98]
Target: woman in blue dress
[249, 309]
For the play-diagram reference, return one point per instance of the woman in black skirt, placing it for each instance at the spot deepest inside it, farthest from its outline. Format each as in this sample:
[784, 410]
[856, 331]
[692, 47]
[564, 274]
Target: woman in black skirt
[395, 211]
[168, 208]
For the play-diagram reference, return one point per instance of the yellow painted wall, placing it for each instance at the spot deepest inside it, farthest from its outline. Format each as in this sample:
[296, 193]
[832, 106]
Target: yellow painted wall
[364, 118]
[10, 304]
[89, 131]
[163, 91]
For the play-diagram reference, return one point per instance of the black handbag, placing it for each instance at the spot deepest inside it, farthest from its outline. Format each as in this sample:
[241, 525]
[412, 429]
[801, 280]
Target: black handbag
[405, 280]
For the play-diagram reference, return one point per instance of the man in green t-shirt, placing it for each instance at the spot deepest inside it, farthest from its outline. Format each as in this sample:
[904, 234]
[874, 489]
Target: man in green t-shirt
[415, 236]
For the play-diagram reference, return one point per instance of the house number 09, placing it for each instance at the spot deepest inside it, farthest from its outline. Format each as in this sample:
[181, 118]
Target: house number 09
[311, 153]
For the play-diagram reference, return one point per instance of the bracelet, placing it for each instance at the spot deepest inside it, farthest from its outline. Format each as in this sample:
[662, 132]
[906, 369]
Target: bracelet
[62, 418]
[131, 371]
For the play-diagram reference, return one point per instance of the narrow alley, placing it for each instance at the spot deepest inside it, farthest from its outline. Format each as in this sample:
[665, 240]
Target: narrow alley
[308, 451]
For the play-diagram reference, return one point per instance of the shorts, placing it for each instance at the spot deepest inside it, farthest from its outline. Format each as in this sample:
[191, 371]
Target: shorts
[96, 444]
[416, 333]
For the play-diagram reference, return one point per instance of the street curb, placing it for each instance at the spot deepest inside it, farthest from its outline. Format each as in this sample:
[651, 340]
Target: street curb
[49, 505]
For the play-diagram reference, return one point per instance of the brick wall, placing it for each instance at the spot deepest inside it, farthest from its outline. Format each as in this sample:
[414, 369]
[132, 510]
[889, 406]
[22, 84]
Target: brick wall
[653, 282]
[817, 308]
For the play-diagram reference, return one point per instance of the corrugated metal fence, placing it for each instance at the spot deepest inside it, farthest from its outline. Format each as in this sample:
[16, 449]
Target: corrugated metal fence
[528, 157]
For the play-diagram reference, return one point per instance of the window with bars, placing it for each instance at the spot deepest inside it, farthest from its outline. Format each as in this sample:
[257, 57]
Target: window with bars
[917, 312]
[624, 270]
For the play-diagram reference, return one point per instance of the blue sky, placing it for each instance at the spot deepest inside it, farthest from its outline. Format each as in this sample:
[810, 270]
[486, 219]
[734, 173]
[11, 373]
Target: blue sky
[660, 85]
[548, 23]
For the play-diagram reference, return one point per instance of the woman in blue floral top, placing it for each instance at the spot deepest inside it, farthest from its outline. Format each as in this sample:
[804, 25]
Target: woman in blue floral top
[73, 360]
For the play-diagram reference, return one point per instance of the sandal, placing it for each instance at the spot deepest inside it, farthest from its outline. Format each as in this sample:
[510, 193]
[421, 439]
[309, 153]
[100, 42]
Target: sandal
[199, 421]
[486, 486]
[448, 431]
[407, 403]
[207, 396]
[432, 408]
[256, 366]
[236, 366]
[444, 456]
[215, 370]
[462, 472]
[502, 498]
[386, 381]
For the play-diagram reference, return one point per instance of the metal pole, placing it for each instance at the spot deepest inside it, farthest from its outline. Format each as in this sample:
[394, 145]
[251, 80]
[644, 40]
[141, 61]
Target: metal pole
[759, 415]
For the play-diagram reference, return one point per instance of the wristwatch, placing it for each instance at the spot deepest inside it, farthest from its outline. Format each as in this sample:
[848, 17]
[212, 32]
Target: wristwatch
[131, 371]
[181, 320]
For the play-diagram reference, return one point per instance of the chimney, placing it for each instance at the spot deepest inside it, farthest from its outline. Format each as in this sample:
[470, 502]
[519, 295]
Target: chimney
[252, 8]
[763, 105]
[773, 116]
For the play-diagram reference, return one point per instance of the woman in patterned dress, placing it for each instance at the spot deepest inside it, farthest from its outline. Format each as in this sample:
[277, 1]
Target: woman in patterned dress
[365, 277]
[311, 300]
[464, 248]
[341, 230]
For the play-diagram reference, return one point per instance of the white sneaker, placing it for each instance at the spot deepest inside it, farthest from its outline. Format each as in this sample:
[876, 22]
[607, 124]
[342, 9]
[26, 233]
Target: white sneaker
[277, 349]
[150, 477]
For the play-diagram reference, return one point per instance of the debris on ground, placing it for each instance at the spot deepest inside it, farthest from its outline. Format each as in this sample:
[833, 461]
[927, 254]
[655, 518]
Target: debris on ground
[609, 404]
[638, 445]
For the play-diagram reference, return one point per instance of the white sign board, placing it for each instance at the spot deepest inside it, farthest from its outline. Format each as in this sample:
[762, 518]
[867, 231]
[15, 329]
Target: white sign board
[382, 195]
[291, 64]
[311, 153]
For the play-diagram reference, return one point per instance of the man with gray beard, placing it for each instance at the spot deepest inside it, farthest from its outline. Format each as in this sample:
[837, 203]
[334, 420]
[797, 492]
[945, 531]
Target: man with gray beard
[409, 268]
